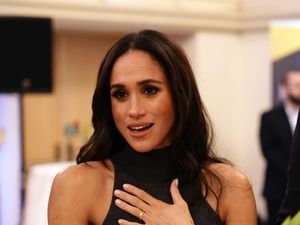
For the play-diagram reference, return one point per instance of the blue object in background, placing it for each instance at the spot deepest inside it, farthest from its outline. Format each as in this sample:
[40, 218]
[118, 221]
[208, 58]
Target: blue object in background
[10, 160]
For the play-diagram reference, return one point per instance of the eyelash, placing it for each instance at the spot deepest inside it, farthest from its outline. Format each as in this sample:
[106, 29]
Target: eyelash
[116, 94]
[150, 90]
[121, 94]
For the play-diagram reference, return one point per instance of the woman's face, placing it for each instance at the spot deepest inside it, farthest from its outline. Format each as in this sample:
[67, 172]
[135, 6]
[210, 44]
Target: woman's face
[141, 101]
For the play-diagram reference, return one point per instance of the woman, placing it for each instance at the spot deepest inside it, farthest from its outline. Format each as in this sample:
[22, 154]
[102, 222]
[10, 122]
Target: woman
[149, 159]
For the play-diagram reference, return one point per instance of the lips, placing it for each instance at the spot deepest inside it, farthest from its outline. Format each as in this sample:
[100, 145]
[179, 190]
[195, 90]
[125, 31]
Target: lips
[140, 130]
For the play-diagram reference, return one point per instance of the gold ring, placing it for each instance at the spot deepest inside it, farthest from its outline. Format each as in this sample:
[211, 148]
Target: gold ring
[141, 215]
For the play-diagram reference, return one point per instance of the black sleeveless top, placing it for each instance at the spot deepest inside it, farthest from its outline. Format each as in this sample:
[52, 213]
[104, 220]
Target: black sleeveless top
[153, 172]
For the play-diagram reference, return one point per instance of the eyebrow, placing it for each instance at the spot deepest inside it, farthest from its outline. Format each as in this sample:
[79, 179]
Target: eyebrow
[140, 83]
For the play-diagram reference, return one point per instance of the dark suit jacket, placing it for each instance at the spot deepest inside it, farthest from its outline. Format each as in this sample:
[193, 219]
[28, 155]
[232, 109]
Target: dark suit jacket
[291, 202]
[276, 140]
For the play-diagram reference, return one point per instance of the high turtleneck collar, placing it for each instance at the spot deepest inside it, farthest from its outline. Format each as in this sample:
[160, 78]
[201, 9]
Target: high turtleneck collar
[152, 172]
[155, 166]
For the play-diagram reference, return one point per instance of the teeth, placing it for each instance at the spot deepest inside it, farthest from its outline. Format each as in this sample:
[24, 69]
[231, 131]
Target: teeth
[138, 128]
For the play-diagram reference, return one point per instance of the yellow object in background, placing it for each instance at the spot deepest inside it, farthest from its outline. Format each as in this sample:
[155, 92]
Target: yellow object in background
[292, 221]
[285, 41]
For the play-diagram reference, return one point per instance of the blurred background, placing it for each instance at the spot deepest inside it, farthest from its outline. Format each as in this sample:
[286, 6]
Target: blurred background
[42, 125]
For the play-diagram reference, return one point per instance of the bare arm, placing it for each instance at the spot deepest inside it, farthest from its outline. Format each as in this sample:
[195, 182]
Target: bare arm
[64, 207]
[237, 203]
[81, 195]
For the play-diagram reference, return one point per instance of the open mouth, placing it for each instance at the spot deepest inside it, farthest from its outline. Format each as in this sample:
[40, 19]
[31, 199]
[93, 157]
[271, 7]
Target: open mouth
[140, 128]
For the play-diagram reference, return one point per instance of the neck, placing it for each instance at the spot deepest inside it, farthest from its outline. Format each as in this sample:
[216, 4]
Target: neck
[292, 106]
[155, 166]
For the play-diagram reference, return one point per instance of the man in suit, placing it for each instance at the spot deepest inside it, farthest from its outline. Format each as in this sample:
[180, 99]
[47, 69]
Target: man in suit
[291, 202]
[277, 126]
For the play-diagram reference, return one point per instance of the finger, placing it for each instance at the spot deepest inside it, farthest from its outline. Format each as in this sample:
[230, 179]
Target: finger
[125, 222]
[131, 199]
[128, 208]
[176, 196]
[140, 194]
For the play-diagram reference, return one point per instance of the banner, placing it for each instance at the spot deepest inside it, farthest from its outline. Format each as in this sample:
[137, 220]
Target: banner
[285, 50]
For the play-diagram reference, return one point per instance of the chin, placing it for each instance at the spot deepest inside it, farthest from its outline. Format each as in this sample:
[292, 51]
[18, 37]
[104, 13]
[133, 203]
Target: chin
[141, 147]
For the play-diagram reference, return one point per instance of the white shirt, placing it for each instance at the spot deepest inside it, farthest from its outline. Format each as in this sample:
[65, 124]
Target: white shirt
[292, 115]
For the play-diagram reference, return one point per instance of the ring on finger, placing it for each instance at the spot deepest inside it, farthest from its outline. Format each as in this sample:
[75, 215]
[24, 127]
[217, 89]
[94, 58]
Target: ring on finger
[141, 215]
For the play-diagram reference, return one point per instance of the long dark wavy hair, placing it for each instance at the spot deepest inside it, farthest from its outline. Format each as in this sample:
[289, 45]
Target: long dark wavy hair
[191, 133]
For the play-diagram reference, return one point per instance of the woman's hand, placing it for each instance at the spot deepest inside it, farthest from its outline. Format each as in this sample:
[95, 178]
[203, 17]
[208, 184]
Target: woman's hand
[151, 210]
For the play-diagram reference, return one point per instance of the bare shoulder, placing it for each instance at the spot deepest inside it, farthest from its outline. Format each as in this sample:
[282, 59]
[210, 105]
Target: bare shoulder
[230, 176]
[82, 173]
[75, 179]
[75, 190]
[236, 203]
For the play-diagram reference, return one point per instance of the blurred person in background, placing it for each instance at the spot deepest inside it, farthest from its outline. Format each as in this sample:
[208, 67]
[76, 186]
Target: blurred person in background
[276, 129]
[291, 202]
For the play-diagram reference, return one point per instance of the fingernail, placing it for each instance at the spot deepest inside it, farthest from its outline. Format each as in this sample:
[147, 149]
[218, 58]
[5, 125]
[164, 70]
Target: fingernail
[120, 221]
[118, 201]
[126, 186]
[176, 182]
[117, 192]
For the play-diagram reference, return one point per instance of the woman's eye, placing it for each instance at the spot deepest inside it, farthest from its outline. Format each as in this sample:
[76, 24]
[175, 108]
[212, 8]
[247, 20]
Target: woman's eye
[150, 90]
[120, 94]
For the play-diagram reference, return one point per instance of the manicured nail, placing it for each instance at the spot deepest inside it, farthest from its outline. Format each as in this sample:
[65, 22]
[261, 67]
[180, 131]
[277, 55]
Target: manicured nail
[117, 192]
[118, 202]
[120, 221]
[176, 182]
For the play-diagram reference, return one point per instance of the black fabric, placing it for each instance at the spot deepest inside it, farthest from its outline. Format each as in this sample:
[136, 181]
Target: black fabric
[291, 202]
[273, 208]
[153, 172]
[276, 140]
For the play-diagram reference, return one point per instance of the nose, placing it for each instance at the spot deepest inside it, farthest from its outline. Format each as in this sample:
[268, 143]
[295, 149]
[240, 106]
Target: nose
[136, 107]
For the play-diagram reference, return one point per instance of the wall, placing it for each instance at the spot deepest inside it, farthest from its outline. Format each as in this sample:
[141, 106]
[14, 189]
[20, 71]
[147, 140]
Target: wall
[257, 98]
[234, 77]
[267, 7]
[76, 61]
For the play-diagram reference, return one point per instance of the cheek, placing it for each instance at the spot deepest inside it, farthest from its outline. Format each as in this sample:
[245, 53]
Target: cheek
[167, 114]
[116, 113]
